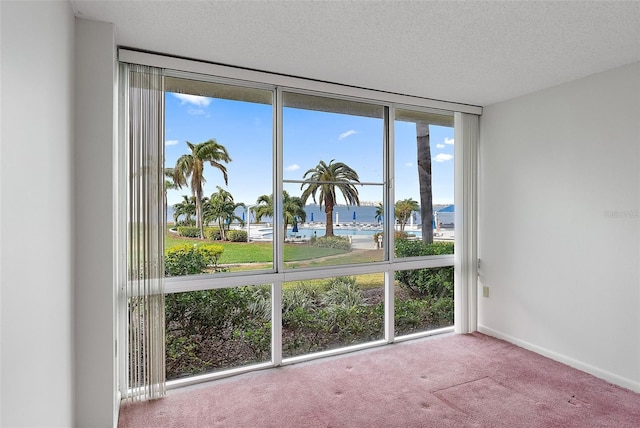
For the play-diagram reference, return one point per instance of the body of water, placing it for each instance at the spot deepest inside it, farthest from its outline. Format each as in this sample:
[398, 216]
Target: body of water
[342, 215]
[266, 233]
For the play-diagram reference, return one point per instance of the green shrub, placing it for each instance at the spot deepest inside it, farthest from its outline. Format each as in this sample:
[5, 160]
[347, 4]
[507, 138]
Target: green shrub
[337, 242]
[411, 315]
[260, 303]
[257, 338]
[414, 315]
[355, 324]
[190, 223]
[433, 282]
[406, 248]
[189, 259]
[189, 231]
[237, 235]
[212, 233]
[204, 327]
[321, 328]
[183, 260]
[211, 253]
[302, 296]
[442, 310]
[182, 357]
[334, 314]
[342, 291]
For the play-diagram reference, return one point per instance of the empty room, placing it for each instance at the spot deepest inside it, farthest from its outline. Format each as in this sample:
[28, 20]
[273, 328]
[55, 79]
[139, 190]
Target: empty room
[320, 214]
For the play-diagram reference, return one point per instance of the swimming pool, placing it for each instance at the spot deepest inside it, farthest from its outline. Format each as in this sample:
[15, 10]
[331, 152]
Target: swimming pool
[266, 233]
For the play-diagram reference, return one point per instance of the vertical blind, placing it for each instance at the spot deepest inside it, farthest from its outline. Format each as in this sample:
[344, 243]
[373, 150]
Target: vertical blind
[144, 104]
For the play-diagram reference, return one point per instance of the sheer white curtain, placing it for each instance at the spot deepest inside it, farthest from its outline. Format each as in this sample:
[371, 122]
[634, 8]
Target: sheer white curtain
[143, 298]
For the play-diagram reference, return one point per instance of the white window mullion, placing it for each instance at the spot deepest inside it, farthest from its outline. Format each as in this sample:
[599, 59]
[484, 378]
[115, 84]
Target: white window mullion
[388, 227]
[276, 321]
[278, 238]
[389, 307]
[389, 202]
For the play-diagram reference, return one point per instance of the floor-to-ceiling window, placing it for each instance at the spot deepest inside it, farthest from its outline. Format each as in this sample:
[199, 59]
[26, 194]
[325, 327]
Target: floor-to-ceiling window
[301, 223]
[424, 218]
[219, 157]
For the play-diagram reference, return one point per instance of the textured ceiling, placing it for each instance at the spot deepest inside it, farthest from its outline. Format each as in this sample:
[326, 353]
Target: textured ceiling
[473, 52]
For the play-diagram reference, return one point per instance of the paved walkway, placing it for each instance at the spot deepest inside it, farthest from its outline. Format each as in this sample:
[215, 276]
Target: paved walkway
[363, 242]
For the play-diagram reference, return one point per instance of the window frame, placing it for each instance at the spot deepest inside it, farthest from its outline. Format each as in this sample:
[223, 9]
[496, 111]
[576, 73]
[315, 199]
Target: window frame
[463, 260]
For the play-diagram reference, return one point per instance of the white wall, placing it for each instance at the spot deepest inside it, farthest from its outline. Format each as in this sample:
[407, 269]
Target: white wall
[36, 236]
[94, 226]
[559, 223]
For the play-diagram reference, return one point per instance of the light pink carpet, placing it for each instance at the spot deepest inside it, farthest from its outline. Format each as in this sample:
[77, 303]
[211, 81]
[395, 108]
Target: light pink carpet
[454, 381]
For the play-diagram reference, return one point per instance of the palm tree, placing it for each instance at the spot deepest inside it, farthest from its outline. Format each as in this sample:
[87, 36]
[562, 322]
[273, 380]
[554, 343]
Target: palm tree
[325, 179]
[221, 208]
[379, 212]
[424, 178]
[292, 207]
[293, 210]
[264, 207]
[404, 210]
[186, 208]
[169, 184]
[190, 166]
[169, 181]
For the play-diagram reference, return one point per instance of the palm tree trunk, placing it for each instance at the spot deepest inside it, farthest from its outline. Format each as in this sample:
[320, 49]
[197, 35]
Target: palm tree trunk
[223, 236]
[424, 178]
[199, 212]
[329, 220]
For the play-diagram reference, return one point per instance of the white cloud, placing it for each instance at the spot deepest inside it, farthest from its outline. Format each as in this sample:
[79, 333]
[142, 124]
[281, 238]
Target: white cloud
[196, 112]
[347, 134]
[408, 164]
[448, 141]
[171, 142]
[293, 167]
[440, 146]
[443, 157]
[196, 100]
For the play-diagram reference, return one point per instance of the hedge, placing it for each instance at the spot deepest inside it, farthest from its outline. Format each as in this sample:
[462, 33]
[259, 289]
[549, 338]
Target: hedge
[191, 259]
[237, 235]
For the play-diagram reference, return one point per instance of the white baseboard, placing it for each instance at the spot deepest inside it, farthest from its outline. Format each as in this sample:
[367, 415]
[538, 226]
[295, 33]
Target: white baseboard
[580, 365]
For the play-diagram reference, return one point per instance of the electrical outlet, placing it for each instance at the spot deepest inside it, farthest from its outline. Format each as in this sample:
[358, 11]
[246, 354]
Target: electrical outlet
[485, 291]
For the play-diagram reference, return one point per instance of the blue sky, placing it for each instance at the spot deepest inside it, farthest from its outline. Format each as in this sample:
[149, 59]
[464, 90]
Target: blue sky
[246, 130]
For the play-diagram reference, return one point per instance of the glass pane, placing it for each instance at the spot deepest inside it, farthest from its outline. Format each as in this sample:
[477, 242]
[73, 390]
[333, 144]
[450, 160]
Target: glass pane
[424, 176]
[219, 144]
[423, 299]
[213, 330]
[354, 240]
[331, 313]
[334, 169]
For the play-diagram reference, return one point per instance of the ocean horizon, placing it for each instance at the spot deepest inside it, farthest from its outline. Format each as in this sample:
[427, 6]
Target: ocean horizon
[342, 214]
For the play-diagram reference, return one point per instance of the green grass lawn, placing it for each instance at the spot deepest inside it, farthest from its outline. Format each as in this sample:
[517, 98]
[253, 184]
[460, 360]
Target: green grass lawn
[363, 281]
[256, 252]
[243, 256]
[355, 257]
